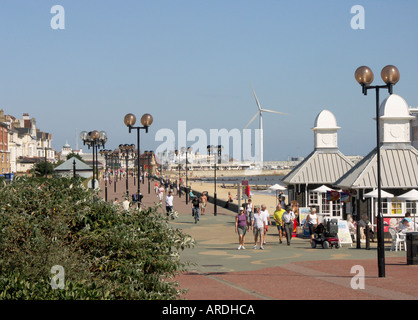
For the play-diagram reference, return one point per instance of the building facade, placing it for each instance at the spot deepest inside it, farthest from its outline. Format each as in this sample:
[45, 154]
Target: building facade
[26, 144]
[4, 150]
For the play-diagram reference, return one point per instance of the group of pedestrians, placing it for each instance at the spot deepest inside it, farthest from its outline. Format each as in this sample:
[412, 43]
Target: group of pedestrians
[257, 218]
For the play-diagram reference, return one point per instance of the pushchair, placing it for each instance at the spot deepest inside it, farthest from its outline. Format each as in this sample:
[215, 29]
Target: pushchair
[326, 235]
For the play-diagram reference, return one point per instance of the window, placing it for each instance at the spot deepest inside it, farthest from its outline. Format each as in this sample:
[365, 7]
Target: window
[336, 208]
[411, 207]
[396, 207]
[313, 198]
[325, 204]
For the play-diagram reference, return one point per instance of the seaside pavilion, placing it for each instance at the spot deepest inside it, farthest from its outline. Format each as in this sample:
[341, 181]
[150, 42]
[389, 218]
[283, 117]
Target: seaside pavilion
[81, 169]
[399, 166]
[309, 182]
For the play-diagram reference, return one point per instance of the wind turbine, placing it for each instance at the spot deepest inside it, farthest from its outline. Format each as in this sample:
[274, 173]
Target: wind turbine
[260, 113]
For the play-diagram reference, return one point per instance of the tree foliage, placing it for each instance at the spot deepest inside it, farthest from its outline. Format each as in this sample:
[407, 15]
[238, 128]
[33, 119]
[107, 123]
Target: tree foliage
[39, 168]
[74, 155]
[106, 253]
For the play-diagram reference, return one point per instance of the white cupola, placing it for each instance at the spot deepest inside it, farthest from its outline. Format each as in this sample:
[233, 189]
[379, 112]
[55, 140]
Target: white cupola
[325, 130]
[395, 120]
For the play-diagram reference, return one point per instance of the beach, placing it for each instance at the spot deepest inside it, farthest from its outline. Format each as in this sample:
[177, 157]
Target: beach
[203, 181]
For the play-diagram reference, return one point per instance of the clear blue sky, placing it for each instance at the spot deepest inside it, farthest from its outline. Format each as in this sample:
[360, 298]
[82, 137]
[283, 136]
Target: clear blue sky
[194, 60]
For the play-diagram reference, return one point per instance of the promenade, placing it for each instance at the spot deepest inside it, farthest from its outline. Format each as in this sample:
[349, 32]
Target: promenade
[295, 272]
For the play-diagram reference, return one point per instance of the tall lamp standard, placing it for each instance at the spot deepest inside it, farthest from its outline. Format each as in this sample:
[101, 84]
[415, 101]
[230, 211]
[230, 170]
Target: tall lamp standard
[146, 121]
[364, 76]
[94, 139]
[217, 152]
[189, 149]
[115, 161]
[148, 155]
[177, 153]
[106, 154]
[126, 151]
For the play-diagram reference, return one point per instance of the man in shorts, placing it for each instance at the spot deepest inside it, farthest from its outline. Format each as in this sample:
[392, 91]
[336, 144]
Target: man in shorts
[266, 216]
[203, 202]
[277, 216]
[257, 225]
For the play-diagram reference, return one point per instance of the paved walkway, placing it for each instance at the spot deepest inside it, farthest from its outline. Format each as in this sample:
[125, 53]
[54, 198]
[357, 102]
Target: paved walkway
[221, 272]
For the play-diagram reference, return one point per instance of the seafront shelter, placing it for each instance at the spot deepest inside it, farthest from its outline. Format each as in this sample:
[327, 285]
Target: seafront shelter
[399, 166]
[67, 168]
[309, 182]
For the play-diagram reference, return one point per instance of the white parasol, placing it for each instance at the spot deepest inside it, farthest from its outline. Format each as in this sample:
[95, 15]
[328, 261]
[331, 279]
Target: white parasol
[277, 187]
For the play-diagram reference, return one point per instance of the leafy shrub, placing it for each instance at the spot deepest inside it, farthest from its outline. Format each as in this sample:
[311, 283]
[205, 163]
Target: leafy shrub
[106, 253]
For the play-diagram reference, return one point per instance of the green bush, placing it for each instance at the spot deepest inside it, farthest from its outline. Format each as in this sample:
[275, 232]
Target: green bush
[106, 253]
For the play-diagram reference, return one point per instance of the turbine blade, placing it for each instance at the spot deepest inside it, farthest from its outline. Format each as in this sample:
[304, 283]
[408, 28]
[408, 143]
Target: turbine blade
[272, 111]
[252, 119]
[256, 99]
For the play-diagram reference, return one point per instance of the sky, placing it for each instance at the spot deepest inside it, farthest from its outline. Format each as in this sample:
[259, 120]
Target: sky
[196, 60]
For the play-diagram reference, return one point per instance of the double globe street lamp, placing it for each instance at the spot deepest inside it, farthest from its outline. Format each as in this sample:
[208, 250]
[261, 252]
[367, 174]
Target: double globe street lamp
[390, 76]
[127, 151]
[217, 152]
[106, 154]
[94, 139]
[146, 121]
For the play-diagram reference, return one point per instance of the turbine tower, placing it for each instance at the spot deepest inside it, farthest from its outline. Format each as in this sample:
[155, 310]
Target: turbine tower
[260, 113]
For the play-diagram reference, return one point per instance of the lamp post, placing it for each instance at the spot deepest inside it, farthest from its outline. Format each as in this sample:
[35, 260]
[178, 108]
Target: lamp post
[94, 139]
[217, 152]
[187, 185]
[364, 76]
[177, 153]
[106, 154]
[146, 121]
[148, 155]
[126, 151]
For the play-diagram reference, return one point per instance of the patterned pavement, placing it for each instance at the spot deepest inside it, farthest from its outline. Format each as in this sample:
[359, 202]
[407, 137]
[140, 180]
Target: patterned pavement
[295, 272]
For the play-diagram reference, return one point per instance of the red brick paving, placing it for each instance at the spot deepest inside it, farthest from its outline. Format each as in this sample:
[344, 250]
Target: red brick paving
[312, 280]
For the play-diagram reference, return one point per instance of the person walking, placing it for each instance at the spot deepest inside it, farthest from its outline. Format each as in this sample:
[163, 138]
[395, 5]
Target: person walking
[312, 222]
[203, 203]
[195, 207]
[267, 221]
[169, 203]
[257, 226]
[287, 221]
[161, 193]
[250, 212]
[241, 227]
[277, 216]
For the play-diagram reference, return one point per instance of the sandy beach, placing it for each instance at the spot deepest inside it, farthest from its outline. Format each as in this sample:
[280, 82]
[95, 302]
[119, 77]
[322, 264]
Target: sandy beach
[259, 197]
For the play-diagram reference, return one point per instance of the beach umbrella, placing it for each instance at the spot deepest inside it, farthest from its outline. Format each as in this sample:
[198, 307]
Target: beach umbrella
[411, 195]
[322, 189]
[373, 195]
[277, 187]
[383, 194]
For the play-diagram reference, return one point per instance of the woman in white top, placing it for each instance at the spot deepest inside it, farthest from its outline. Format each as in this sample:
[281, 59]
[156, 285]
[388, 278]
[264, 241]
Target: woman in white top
[312, 221]
[250, 212]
